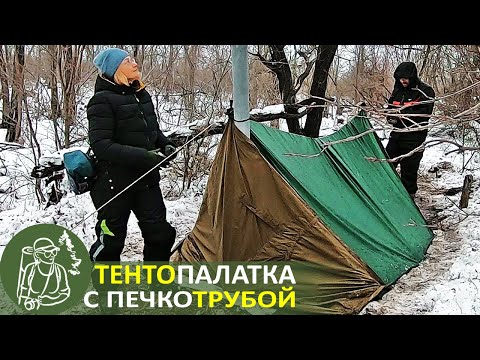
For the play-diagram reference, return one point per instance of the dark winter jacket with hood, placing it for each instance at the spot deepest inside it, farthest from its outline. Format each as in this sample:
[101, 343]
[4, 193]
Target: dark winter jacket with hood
[123, 127]
[416, 92]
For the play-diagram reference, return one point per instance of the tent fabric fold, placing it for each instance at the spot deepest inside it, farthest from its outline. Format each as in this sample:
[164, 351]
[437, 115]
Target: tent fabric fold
[363, 202]
[284, 197]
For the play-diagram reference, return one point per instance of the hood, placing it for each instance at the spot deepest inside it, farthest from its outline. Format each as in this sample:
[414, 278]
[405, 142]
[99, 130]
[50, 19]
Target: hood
[406, 70]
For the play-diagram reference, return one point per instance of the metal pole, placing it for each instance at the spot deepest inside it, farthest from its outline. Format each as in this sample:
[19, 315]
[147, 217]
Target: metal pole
[241, 107]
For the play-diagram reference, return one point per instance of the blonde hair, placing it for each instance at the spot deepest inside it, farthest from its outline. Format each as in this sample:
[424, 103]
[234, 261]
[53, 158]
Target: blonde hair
[121, 79]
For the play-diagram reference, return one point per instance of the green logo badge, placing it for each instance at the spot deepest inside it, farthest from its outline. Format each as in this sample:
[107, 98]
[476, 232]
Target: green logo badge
[45, 269]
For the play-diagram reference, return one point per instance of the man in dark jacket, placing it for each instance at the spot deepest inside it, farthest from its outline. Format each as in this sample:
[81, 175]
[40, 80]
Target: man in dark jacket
[411, 96]
[123, 134]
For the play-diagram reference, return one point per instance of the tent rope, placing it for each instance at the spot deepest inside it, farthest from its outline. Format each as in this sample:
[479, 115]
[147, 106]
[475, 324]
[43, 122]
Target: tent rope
[141, 177]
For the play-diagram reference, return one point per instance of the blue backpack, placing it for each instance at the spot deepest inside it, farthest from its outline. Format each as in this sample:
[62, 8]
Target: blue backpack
[80, 168]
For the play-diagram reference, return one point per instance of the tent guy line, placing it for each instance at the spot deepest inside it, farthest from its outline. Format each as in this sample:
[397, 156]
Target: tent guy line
[141, 177]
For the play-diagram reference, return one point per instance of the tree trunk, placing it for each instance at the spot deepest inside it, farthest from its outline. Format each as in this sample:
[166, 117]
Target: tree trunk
[324, 59]
[69, 71]
[36, 151]
[15, 131]
[169, 72]
[52, 82]
[5, 83]
[285, 83]
[139, 55]
[191, 57]
[466, 190]
[55, 113]
[69, 104]
[359, 70]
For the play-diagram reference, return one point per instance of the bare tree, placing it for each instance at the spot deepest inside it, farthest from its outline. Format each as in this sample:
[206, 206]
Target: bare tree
[70, 58]
[192, 84]
[18, 91]
[325, 55]
[12, 89]
[5, 81]
[55, 112]
[279, 64]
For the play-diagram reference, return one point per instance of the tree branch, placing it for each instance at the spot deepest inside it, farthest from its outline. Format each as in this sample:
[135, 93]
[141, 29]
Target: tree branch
[305, 74]
[182, 138]
[282, 115]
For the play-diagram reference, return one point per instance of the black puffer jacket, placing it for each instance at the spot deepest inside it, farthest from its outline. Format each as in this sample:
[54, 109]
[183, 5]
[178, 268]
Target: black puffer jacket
[416, 92]
[123, 126]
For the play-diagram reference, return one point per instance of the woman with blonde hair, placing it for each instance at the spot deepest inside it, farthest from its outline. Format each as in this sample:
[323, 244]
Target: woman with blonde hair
[123, 132]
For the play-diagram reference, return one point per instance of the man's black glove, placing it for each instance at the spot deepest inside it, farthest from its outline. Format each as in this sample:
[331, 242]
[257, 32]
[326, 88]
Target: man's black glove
[392, 120]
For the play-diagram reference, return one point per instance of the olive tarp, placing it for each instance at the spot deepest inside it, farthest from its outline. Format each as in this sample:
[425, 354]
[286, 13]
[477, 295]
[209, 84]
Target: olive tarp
[285, 197]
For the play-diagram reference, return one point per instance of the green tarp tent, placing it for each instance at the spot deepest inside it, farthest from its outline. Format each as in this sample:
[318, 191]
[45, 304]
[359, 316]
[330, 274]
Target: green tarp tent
[282, 196]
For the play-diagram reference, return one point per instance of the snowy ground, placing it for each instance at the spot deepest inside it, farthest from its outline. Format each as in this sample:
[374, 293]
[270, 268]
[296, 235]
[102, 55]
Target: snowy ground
[446, 282]
[76, 212]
